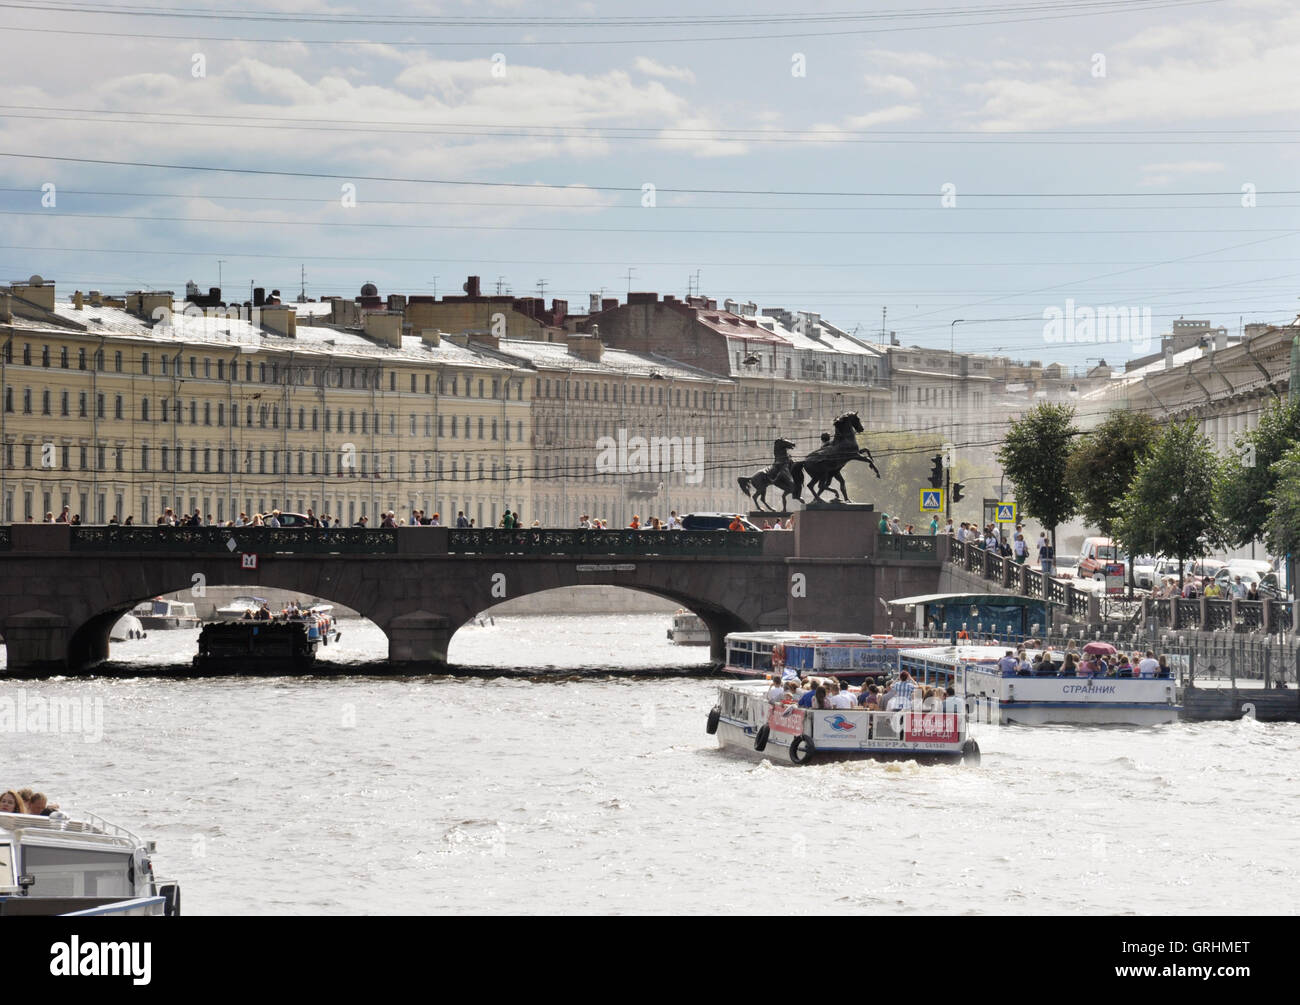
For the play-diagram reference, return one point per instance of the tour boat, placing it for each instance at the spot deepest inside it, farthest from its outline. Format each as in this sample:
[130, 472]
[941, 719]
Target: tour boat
[992, 696]
[82, 866]
[126, 628]
[238, 607]
[167, 614]
[286, 643]
[848, 656]
[688, 630]
[745, 720]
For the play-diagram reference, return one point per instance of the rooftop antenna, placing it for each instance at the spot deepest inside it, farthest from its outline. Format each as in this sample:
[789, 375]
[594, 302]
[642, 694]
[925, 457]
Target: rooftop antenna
[884, 311]
[302, 294]
[435, 287]
[501, 281]
[630, 270]
[541, 289]
[220, 263]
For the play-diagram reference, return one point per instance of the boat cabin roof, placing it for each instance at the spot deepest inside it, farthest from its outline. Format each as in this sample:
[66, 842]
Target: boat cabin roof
[60, 826]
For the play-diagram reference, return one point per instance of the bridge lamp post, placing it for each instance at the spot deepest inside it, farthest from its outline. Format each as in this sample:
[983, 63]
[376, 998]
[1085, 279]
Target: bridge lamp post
[4, 441]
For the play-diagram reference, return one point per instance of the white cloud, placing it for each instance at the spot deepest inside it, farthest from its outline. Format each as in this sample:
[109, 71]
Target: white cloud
[912, 59]
[1154, 175]
[883, 116]
[889, 83]
[651, 68]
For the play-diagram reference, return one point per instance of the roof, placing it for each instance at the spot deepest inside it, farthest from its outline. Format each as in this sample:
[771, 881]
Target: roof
[236, 333]
[613, 362]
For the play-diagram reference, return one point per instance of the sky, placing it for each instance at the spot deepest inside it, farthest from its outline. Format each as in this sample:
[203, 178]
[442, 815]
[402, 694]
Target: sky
[983, 163]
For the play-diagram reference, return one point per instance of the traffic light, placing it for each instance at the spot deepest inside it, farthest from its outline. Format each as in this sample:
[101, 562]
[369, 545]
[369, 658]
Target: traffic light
[957, 489]
[936, 476]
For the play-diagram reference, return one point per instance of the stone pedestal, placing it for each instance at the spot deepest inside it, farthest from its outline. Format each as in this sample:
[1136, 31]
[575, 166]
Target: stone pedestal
[828, 531]
[419, 638]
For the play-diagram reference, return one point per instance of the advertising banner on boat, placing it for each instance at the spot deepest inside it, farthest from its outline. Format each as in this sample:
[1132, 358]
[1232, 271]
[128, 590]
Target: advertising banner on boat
[931, 727]
[856, 658]
[786, 719]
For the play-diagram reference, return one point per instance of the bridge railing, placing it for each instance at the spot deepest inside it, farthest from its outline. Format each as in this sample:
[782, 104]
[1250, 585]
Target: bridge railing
[229, 540]
[907, 547]
[6, 539]
[543, 541]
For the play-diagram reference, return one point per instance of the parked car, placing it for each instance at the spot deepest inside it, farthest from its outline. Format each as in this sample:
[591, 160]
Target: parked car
[1066, 567]
[1225, 577]
[1096, 554]
[293, 521]
[1273, 586]
[713, 521]
[1144, 571]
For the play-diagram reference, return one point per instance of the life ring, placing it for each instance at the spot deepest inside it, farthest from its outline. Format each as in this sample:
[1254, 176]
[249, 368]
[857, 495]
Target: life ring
[778, 656]
[970, 752]
[805, 745]
[760, 740]
[715, 714]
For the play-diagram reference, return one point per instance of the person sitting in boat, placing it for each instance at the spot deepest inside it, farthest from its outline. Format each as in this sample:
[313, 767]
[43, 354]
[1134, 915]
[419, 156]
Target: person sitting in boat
[263, 613]
[951, 703]
[776, 692]
[1024, 668]
[12, 802]
[840, 696]
[36, 803]
[807, 694]
[820, 698]
[1163, 671]
[1008, 664]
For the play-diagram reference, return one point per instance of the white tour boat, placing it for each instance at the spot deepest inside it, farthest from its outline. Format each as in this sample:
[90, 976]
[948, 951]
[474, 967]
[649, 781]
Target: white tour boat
[240, 606]
[81, 867]
[1005, 698]
[745, 720]
[167, 614]
[126, 628]
[688, 630]
[848, 656]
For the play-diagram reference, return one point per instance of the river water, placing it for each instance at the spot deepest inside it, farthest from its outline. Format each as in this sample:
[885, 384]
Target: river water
[359, 794]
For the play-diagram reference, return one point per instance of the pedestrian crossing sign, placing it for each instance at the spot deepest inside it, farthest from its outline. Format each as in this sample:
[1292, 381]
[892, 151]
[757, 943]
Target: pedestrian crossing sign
[1006, 512]
[931, 500]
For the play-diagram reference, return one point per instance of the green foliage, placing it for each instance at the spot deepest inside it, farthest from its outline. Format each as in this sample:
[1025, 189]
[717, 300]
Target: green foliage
[1103, 463]
[1034, 456]
[1249, 476]
[1169, 508]
[1282, 526]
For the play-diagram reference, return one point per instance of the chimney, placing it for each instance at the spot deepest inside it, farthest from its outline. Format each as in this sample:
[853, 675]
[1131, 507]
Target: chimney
[460, 338]
[1169, 354]
[95, 299]
[154, 304]
[6, 307]
[259, 296]
[36, 291]
[396, 302]
[609, 303]
[78, 301]
[431, 336]
[593, 303]
[471, 287]
[730, 306]
[588, 347]
[385, 327]
[281, 319]
[1221, 339]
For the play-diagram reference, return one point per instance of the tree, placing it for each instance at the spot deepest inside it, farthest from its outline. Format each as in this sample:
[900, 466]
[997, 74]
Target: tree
[1249, 475]
[1103, 463]
[1282, 527]
[1034, 456]
[1169, 507]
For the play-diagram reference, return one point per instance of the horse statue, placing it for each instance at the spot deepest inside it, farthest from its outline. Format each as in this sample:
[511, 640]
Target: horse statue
[823, 465]
[780, 475]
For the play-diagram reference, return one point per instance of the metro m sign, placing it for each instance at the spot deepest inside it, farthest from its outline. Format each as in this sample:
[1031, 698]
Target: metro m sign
[248, 561]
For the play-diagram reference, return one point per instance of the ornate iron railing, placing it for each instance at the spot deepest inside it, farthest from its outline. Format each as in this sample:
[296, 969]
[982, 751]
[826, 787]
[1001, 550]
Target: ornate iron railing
[1218, 615]
[1055, 591]
[541, 541]
[1034, 583]
[1076, 603]
[257, 540]
[908, 547]
[1250, 614]
[1189, 613]
[1280, 616]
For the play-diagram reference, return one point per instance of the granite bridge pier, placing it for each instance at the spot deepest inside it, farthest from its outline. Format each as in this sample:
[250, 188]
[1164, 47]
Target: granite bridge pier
[63, 587]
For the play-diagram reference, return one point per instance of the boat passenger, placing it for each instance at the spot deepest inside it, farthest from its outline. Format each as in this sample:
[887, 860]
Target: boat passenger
[840, 696]
[819, 697]
[776, 692]
[806, 698]
[950, 701]
[1149, 666]
[12, 802]
[1122, 667]
[1164, 670]
[1024, 668]
[1008, 665]
[1070, 668]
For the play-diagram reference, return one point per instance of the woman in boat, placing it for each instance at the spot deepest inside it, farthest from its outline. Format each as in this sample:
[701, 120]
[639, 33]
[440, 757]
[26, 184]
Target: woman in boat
[819, 697]
[12, 802]
[1071, 668]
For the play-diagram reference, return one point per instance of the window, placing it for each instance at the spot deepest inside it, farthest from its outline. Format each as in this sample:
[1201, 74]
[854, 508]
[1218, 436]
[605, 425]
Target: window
[221, 413]
[45, 355]
[144, 363]
[221, 369]
[480, 424]
[73, 872]
[117, 406]
[63, 403]
[45, 402]
[207, 413]
[144, 457]
[63, 356]
[99, 406]
[314, 418]
[81, 359]
[165, 405]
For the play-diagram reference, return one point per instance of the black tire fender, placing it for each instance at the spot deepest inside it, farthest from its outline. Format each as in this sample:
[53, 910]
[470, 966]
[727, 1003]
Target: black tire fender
[804, 745]
[715, 714]
[760, 739]
[970, 752]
